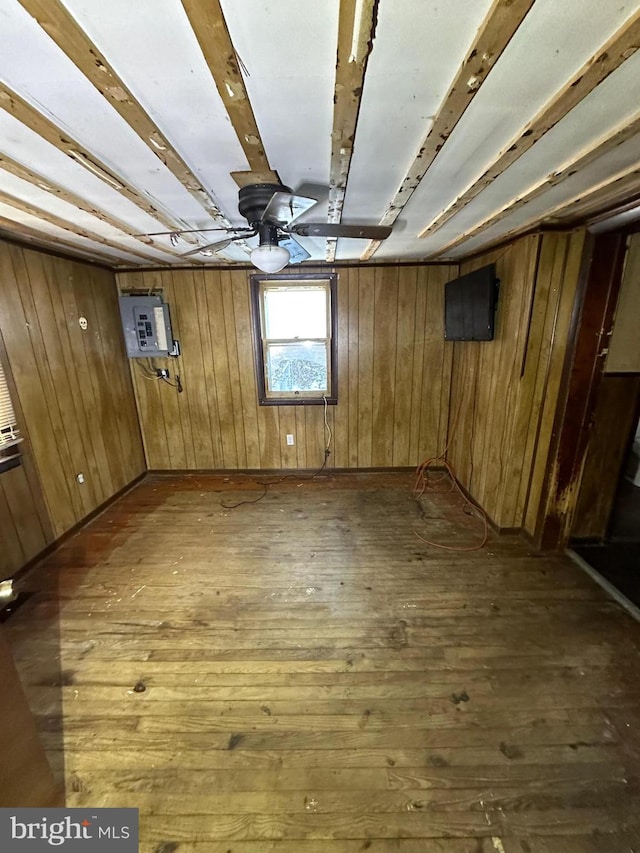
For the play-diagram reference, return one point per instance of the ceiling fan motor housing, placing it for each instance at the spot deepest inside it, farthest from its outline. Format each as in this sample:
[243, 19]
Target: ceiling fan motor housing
[254, 198]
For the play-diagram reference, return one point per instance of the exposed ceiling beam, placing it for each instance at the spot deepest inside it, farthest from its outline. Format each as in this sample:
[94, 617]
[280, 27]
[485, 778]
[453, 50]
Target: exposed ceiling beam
[24, 173]
[610, 191]
[36, 121]
[356, 32]
[210, 28]
[64, 30]
[602, 147]
[623, 44]
[46, 216]
[245, 179]
[11, 230]
[613, 194]
[495, 33]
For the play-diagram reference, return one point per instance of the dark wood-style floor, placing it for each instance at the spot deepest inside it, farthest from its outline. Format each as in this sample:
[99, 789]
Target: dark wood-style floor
[303, 675]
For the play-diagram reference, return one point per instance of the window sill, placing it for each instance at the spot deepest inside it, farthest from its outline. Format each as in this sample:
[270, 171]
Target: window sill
[9, 462]
[299, 401]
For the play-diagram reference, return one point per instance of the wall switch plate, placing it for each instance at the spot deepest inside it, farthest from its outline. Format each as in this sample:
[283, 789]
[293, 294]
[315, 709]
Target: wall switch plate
[290, 440]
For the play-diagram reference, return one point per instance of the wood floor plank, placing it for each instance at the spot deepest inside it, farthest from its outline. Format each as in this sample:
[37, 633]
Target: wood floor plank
[303, 675]
[469, 756]
[373, 845]
[73, 736]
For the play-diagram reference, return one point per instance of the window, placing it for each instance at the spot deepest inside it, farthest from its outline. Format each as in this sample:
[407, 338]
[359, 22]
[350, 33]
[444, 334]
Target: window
[295, 341]
[9, 433]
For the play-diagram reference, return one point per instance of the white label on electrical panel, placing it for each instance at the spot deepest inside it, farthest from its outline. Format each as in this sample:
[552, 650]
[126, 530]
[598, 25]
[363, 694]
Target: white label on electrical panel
[161, 332]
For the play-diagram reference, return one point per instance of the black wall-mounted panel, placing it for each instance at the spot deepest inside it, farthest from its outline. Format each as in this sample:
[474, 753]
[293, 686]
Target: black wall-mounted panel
[470, 305]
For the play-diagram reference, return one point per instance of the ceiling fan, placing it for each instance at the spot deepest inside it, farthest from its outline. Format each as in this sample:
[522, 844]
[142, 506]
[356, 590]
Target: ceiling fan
[270, 209]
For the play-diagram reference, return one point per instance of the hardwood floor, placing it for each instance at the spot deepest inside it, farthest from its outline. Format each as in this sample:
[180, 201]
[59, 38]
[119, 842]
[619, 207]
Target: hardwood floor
[303, 675]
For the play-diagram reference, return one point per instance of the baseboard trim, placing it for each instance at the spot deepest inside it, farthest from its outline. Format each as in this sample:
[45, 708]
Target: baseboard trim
[270, 472]
[305, 472]
[501, 531]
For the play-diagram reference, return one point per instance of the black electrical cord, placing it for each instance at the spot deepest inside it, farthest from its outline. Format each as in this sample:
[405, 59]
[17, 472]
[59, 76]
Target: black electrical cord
[177, 384]
[266, 483]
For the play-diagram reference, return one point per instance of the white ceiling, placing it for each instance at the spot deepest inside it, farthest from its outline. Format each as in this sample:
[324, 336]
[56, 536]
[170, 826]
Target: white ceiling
[79, 176]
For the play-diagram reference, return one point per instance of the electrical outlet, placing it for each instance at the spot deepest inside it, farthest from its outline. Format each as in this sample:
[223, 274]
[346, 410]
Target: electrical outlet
[162, 373]
[290, 440]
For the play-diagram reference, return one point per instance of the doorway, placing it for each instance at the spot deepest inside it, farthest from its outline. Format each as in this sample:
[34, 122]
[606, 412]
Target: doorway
[605, 530]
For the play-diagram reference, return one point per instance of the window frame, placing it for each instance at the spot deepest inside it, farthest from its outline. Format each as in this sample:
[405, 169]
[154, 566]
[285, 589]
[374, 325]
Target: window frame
[10, 452]
[266, 398]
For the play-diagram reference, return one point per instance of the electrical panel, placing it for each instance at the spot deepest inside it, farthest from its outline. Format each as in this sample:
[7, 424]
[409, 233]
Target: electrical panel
[146, 325]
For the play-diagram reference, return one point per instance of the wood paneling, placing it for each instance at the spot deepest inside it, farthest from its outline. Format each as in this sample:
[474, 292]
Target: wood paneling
[557, 287]
[624, 344]
[25, 528]
[594, 309]
[21, 527]
[393, 376]
[614, 418]
[505, 391]
[73, 398]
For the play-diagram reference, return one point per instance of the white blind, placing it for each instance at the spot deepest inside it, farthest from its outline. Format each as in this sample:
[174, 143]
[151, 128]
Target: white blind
[9, 433]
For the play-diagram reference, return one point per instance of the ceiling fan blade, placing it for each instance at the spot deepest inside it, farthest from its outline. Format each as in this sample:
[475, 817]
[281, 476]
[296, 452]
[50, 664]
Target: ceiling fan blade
[313, 190]
[330, 229]
[297, 252]
[218, 246]
[283, 208]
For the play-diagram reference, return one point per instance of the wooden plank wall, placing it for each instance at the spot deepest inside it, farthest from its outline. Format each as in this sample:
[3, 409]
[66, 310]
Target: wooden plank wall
[73, 397]
[393, 376]
[613, 421]
[504, 393]
[25, 528]
[624, 343]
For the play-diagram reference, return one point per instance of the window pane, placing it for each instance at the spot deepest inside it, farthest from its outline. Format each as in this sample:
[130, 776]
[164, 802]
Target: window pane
[9, 433]
[297, 367]
[295, 313]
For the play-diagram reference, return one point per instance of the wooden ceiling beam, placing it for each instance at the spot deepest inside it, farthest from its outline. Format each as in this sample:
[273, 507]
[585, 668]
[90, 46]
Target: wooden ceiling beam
[12, 230]
[609, 192]
[42, 182]
[356, 32]
[210, 28]
[493, 36]
[52, 219]
[602, 147]
[28, 115]
[67, 34]
[623, 44]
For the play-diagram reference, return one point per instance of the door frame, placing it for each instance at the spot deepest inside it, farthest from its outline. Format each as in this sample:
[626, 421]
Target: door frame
[591, 327]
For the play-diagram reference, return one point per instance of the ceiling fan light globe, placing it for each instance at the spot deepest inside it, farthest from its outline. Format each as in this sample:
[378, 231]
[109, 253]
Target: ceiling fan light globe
[270, 258]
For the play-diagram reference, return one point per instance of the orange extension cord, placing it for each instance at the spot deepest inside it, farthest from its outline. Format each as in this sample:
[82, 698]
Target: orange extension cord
[422, 484]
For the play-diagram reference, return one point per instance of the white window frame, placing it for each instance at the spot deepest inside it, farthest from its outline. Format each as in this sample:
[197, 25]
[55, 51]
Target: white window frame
[9, 431]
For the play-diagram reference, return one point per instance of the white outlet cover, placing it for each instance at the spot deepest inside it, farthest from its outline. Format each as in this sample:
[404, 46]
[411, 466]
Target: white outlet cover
[83, 323]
